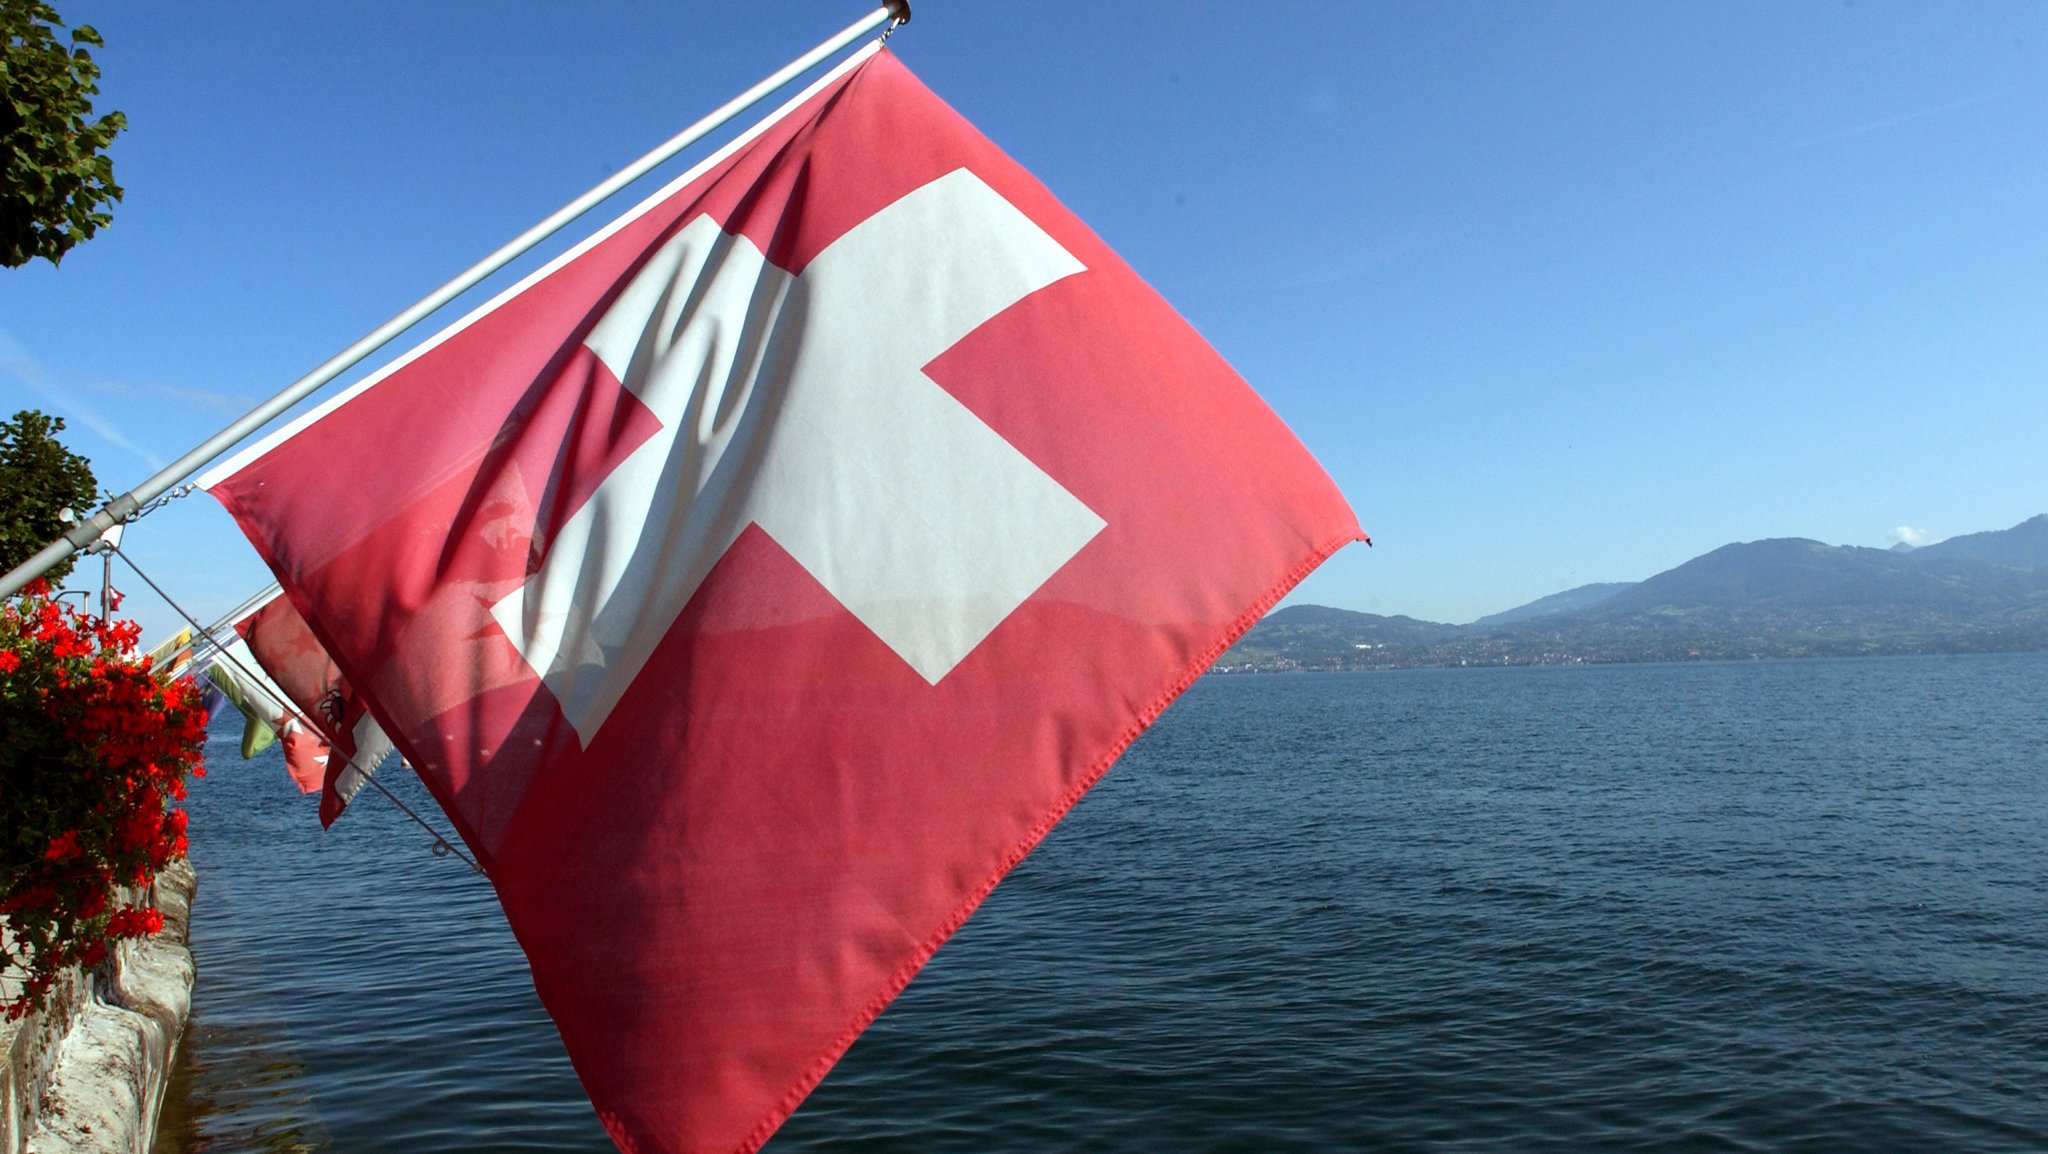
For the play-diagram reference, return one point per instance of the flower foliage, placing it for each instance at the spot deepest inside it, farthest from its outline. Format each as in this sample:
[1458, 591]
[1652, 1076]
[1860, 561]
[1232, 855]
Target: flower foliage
[94, 752]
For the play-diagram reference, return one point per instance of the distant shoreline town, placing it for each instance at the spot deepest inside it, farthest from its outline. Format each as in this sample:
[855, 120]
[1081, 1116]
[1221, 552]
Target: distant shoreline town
[1784, 597]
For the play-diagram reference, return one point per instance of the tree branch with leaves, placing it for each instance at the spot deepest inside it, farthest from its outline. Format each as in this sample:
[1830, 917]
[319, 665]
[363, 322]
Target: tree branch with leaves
[56, 182]
[39, 478]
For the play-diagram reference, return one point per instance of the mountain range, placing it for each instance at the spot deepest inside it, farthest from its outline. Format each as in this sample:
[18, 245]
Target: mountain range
[1782, 597]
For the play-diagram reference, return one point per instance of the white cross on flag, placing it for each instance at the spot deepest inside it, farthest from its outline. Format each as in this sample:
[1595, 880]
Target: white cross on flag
[757, 583]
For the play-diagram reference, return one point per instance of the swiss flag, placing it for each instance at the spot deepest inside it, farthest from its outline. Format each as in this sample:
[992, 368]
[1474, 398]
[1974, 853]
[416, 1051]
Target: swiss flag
[755, 585]
[347, 744]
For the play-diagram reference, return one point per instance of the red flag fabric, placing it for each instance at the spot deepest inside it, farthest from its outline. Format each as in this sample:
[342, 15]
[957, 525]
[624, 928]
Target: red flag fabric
[307, 759]
[756, 584]
[349, 743]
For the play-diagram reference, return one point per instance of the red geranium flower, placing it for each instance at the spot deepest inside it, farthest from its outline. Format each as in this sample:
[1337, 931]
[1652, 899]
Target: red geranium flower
[97, 751]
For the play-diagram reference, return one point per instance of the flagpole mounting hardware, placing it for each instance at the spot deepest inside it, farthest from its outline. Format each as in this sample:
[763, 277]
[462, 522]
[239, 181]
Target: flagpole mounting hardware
[185, 490]
[899, 15]
[89, 536]
[103, 544]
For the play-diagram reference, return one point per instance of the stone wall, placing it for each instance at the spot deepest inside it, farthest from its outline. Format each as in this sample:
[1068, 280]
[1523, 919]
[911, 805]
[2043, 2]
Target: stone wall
[31, 1047]
[87, 1074]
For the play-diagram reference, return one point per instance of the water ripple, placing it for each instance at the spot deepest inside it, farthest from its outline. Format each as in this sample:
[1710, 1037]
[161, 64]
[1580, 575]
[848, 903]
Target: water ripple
[1784, 906]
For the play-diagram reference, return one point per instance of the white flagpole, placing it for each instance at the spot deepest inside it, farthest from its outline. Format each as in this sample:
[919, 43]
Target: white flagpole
[118, 510]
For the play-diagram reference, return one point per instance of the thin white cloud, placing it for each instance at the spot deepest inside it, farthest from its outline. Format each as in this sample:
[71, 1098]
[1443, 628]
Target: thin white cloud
[1908, 535]
[1328, 265]
[176, 394]
[17, 365]
[1883, 122]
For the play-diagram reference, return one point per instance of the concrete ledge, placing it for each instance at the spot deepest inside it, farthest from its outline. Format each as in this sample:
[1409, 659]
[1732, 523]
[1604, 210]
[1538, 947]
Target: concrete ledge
[30, 1048]
[95, 1084]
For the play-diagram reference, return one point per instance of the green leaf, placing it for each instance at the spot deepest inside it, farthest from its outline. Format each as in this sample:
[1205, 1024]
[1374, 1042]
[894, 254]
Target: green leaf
[56, 185]
[38, 476]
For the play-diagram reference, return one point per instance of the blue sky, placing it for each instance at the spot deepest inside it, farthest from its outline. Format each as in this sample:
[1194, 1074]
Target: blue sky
[1558, 293]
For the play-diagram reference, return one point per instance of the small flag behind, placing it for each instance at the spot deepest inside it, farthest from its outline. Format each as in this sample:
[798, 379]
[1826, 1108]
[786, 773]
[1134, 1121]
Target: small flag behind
[234, 675]
[168, 659]
[277, 637]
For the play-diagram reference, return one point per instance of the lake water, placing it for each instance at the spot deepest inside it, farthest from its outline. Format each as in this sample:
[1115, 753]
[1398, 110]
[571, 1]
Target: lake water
[1794, 905]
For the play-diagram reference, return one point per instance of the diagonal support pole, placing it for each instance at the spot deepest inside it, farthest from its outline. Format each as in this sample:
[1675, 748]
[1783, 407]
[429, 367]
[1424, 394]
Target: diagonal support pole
[124, 507]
